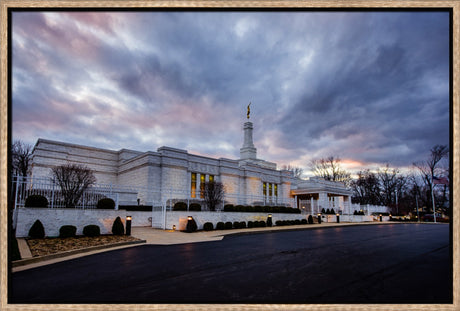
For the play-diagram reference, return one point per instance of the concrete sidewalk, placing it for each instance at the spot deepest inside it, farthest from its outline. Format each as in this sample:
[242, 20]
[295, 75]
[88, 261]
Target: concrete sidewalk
[153, 236]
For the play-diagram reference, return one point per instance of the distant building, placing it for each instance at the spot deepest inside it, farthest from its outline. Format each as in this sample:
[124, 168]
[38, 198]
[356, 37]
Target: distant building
[174, 174]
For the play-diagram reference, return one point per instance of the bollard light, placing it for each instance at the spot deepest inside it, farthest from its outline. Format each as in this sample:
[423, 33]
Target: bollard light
[319, 218]
[189, 218]
[338, 217]
[269, 220]
[174, 228]
[128, 225]
[380, 217]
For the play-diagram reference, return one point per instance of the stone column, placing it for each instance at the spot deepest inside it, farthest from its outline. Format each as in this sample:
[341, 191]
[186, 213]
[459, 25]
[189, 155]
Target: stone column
[248, 151]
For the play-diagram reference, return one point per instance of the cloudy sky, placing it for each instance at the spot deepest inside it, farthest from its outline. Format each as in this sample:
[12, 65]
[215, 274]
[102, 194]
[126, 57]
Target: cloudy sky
[368, 87]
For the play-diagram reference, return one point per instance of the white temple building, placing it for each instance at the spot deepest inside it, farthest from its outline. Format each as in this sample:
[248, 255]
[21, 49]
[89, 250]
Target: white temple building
[174, 174]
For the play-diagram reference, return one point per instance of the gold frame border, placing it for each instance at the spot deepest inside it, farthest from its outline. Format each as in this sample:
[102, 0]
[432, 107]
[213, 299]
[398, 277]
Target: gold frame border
[6, 4]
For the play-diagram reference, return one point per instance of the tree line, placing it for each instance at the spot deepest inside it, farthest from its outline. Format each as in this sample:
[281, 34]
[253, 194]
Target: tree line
[403, 192]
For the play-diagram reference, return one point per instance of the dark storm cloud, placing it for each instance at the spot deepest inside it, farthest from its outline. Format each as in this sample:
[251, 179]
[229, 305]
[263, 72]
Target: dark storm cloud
[368, 87]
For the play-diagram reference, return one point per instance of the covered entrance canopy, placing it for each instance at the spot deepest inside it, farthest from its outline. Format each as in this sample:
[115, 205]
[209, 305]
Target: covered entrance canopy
[314, 194]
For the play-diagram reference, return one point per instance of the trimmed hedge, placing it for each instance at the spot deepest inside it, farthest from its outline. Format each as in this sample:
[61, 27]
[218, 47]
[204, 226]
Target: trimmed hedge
[191, 226]
[228, 225]
[37, 231]
[180, 206]
[67, 231]
[118, 228]
[106, 203]
[91, 231]
[36, 200]
[195, 207]
[261, 209]
[208, 226]
[220, 226]
[136, 208]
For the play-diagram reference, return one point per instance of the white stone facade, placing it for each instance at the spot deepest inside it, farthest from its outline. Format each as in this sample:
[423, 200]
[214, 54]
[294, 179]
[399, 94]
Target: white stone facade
[170, 170]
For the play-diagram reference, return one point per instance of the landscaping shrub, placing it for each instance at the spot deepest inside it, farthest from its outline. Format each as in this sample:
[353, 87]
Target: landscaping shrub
[310, 219]
[37, 231]
[239, 208]
[180, 206]
[91, 231]
[220, 226]
[195, 207]
[304, 221]
[106, 203]
[279, 223]
[328, 211]
[36, 200]
[67, 231]
[297, 222]
[228, 225]
[258, 209]
[137, 208]
[236, 224]
[242, 224]
[250, 224]
[118, 228]
[323, 211]
[229, 208]
[191, 226]
[208, 226]
[332, 212]
[262, 223]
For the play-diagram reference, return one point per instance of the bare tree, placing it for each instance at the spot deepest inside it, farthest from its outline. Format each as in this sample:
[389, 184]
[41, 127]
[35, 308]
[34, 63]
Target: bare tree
[330, 169]
[213, 194]
[366, 188]
[73, 179]
[431, 167]
[21, 154]
[296, 171]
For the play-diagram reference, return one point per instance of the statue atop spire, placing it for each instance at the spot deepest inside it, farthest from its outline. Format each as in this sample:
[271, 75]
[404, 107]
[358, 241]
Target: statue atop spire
[249, 109]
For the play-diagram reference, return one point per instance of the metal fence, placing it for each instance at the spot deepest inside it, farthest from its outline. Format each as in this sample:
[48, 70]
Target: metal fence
[23, 187]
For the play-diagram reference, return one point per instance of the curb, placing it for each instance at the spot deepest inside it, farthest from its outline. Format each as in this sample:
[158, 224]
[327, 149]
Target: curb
[27, 261]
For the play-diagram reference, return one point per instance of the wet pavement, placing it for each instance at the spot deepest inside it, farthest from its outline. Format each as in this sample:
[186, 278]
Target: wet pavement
[391, 263]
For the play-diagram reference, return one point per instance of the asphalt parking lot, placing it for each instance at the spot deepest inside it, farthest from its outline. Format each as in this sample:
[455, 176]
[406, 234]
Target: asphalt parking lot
[397, 263]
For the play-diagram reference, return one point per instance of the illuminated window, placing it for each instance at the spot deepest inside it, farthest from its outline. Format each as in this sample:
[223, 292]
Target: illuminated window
[265, 188]
[193, 186]
[211, 178]
[276, 190]
[270, 188]
[202, 181]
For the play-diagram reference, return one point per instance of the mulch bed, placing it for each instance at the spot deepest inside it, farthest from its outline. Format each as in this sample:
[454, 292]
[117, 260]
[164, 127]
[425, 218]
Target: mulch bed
[48, 246]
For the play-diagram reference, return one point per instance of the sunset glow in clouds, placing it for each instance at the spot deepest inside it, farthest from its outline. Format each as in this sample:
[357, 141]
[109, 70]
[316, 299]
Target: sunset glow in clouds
[369, 87]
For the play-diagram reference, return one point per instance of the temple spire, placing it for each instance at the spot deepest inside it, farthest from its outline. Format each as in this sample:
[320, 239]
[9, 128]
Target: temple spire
[249, 110]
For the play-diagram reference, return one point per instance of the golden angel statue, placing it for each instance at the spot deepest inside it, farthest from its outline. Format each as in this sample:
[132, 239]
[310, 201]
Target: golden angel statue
[249, 109]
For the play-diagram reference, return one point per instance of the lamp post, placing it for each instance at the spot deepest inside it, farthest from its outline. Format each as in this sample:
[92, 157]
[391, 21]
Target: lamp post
[128, 225]
[269, 220]
[338, 217]
[319, 218]
[380, 217]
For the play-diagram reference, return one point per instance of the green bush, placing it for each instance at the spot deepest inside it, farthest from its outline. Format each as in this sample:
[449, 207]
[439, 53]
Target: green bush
[250, 224]
[262, 223]
[323, 211]
[118, 228]
[37, 231]
[310, 219]
[332, 211]
[297, 222]
[138, 208]
[228, 225]
[180, 206]
[106, 203]
[67, 231]
[304, 221]
[36, 200]
[229, 208]
[91, 230]
[195, 207]
[236, 224]
[279, 223]
[220, 226]
[242, 224]
[191, 226]
[208, 226]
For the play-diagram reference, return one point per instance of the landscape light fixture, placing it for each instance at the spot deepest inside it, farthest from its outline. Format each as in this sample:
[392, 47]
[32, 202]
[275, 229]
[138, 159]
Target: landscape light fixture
[380, 217]
[269, 220]
[189, 218]
[174, 228]
[319, 218]
[338, 217]
[128, 225]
